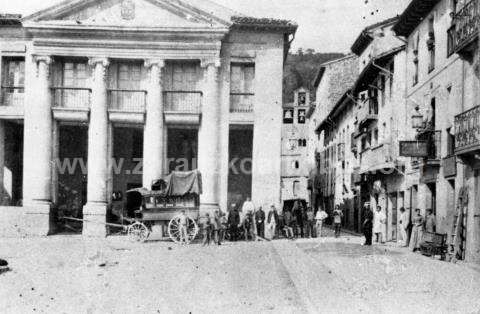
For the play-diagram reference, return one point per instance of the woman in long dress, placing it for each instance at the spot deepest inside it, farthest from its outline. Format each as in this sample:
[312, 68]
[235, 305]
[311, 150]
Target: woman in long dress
[417, 230]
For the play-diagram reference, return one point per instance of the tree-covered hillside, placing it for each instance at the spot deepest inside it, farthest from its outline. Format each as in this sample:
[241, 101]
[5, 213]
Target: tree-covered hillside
[301, 70]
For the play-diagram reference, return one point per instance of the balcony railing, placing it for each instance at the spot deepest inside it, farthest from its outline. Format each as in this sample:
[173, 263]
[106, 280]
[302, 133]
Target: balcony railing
[71, 97]
[341, 152]
[434, 143]
[241, 102]
[467, 131]
[12, 96]
[466, 23]
[368, 112]
[377, 158]
[127, 100]
[183, 101]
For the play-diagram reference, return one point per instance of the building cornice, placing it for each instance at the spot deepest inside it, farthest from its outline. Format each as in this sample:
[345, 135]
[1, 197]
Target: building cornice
[413, 15]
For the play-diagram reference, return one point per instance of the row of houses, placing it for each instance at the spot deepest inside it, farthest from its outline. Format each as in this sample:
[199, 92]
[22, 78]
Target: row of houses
[395, 123]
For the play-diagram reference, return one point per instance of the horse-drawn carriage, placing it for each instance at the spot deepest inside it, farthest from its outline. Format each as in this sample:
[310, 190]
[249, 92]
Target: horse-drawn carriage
[162, 205]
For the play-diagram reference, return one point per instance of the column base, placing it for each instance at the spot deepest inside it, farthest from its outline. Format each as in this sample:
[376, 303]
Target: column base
[208, 208]
[95, 218]
[27, 221]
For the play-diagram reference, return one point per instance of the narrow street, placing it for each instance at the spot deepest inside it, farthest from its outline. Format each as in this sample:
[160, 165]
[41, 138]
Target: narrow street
[69, 275]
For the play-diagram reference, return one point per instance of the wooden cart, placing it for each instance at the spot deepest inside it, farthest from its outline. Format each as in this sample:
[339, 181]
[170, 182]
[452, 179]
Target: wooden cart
[163, 205]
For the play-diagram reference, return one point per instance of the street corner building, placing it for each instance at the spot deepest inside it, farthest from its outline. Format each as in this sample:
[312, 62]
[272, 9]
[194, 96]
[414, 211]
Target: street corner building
[99, 97]
[404, 132]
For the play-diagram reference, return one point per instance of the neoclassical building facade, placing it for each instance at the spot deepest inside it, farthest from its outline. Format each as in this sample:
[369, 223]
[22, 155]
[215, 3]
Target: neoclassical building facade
[99, 97]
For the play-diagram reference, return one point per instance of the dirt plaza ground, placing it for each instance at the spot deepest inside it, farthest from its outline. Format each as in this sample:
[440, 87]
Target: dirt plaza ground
[67, 274]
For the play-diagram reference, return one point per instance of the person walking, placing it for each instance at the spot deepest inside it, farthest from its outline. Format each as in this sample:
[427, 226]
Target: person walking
[403, 226]
[368, 225]
[430, 221]
[260, 222]
[310, 219]
[417, 230]
[337, 220]
[319, 218]
[379, 225]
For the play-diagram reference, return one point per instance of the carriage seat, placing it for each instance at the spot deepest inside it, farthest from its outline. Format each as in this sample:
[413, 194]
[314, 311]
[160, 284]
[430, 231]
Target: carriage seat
[434, 244]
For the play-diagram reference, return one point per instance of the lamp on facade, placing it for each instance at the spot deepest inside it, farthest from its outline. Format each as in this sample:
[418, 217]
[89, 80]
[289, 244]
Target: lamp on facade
[417, 119]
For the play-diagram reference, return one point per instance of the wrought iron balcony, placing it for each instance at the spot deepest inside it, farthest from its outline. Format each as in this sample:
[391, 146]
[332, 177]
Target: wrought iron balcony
[241, 102]
[127, 100]
[466, 23]
[12, 96]
[467, 131]
[71, 97]
[183, 101]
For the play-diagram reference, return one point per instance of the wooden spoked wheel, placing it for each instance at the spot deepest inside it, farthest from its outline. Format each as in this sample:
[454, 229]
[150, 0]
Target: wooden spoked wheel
[138, 232]
[174, 230]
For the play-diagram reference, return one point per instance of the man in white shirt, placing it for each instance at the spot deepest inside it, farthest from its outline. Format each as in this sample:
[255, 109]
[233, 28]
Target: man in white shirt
[248, 206]
[319, 218]
[380, 225]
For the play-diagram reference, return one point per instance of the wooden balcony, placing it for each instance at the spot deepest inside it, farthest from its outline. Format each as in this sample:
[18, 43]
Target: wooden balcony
[127, 106]
[12, 102]
[71, 103]
[182, 107]
[467, 132]
[368, 113]
[465, 27]
[378, 160]
[241, 107]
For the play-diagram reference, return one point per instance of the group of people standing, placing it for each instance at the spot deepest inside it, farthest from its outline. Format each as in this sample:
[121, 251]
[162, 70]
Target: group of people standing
[375, 223]
[251, 223]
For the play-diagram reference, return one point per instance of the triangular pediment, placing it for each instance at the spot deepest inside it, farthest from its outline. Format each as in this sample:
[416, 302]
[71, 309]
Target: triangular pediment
[133, 13]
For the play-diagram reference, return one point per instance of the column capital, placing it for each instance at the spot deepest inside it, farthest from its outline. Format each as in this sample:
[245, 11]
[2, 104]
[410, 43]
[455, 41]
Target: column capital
[105, 62]
[151, 62]
[204, 63]
[46, 59]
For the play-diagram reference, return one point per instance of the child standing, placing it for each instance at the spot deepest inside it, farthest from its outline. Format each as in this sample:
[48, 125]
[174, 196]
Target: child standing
[207, 230]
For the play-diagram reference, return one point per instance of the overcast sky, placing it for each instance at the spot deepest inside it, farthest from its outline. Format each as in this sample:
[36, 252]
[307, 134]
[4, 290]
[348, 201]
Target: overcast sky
[324, 25]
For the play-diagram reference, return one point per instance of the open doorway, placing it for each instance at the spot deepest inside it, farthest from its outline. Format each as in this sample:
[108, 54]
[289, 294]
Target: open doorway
[240, 160]
[127, 157]
[71, 167]
[182, 148]
[11, 192]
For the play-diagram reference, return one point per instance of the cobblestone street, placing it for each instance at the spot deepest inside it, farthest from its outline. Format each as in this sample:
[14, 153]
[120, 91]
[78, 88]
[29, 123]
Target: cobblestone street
[69, 275]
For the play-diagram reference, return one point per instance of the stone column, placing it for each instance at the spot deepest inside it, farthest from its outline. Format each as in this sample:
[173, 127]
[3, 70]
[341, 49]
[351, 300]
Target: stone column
[38, 146]
[154, 126]
[208, 138]
[2, 162]
[38, 138]
[95, 210]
